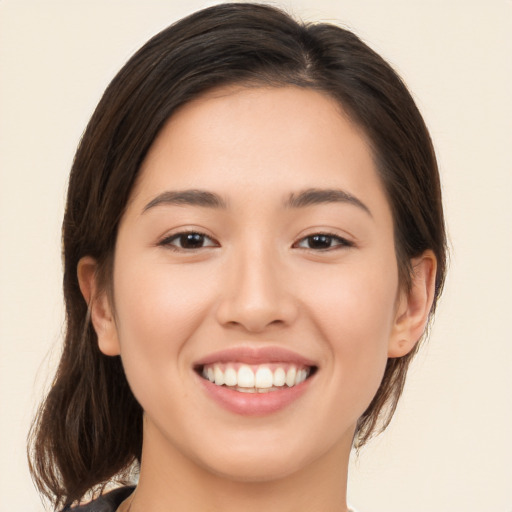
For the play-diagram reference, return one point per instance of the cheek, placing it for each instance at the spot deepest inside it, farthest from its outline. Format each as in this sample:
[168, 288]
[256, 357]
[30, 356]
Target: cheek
[357, 300]
[158, 309]
[355, 312]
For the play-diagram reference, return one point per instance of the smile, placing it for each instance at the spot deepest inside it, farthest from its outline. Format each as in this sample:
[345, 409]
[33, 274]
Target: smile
[255, 381]
[261, 378]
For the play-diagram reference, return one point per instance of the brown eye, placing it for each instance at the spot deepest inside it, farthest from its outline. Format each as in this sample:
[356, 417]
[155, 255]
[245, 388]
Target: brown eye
[322, 241]
[189, 241]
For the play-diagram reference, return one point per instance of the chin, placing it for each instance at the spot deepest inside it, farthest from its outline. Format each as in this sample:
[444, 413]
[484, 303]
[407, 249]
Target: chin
[269, 456]
[256, 467]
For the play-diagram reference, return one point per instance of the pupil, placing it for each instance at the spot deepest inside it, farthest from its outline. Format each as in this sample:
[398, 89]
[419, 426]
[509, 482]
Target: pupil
[191, 240]
[320, 241]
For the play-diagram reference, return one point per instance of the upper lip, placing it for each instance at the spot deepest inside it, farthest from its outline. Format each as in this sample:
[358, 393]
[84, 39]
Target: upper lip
[255, 355]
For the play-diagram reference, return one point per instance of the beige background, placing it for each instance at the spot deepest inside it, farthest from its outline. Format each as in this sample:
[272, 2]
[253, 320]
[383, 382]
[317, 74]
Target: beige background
[449, 448]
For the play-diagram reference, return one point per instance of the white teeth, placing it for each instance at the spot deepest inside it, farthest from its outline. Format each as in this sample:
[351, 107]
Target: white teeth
[230, 377]
[279, 377]
[290, 376]
[219, 375]
[264, 378]
[246, 390]
[300, 377]
[256, 378]
[245, 377]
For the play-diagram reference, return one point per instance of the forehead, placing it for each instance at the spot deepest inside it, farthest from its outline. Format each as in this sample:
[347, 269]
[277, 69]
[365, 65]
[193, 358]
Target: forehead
[267, 139]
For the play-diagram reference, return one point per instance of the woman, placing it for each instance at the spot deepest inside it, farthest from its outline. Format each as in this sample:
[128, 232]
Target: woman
[254, 244]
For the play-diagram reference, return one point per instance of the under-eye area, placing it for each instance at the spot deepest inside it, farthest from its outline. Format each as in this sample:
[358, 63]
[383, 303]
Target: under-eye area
[260, 378]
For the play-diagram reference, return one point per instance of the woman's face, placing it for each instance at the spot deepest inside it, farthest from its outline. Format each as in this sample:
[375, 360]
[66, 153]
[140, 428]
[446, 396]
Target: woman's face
[256, 249]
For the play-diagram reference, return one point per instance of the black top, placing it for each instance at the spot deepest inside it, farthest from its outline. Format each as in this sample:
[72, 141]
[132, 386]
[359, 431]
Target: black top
[105, 503]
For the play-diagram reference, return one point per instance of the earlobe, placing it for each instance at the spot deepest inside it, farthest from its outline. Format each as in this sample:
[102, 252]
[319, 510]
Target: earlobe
[100, 309]
[414, 306]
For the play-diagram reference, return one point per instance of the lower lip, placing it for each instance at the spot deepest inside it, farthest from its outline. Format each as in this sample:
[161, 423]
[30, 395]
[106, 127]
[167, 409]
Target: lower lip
[254, 404]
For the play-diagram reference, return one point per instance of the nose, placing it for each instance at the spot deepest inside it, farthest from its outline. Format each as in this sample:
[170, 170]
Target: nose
[258, 293]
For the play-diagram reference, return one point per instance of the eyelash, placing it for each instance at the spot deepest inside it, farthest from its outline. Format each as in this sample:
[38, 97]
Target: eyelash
[331, 238]
[168, 241]
[339, 241]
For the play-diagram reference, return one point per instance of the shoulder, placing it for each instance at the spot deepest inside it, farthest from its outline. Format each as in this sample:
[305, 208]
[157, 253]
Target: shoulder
[105, 503]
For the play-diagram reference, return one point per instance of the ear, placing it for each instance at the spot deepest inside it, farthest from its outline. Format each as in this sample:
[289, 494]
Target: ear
[100, 309]
[414, 306]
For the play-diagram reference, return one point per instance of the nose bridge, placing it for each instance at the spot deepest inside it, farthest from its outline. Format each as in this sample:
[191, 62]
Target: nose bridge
[257, 293]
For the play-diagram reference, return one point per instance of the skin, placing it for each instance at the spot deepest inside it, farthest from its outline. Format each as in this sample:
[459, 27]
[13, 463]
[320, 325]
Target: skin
[257, 281]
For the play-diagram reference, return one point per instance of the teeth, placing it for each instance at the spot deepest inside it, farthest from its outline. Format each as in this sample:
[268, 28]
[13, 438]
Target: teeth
[256, 378]
[264, 377]
[300, 377]
[290, 376]
[230, 377]
[279, 377]
[219, 376]
[245, 377]
[246, 390]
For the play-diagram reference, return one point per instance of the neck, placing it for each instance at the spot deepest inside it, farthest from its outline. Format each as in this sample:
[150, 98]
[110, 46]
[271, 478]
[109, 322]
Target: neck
[171, 482]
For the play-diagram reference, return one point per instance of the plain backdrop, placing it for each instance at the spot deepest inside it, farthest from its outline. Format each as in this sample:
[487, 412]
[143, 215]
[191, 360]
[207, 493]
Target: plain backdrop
[449, 447]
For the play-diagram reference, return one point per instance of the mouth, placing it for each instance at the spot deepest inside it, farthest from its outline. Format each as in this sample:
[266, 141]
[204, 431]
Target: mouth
[255, 381]
[256, 378]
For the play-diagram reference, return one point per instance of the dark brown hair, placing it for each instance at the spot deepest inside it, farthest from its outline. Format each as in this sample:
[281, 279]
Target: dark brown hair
[89, 428]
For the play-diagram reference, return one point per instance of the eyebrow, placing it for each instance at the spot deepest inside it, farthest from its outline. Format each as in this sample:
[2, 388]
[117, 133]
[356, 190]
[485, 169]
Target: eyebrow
[303, 199]
[187, 197]
[314, 196]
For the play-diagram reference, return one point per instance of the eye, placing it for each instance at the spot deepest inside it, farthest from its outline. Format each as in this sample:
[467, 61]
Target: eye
[322, 242]
[188, 240]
